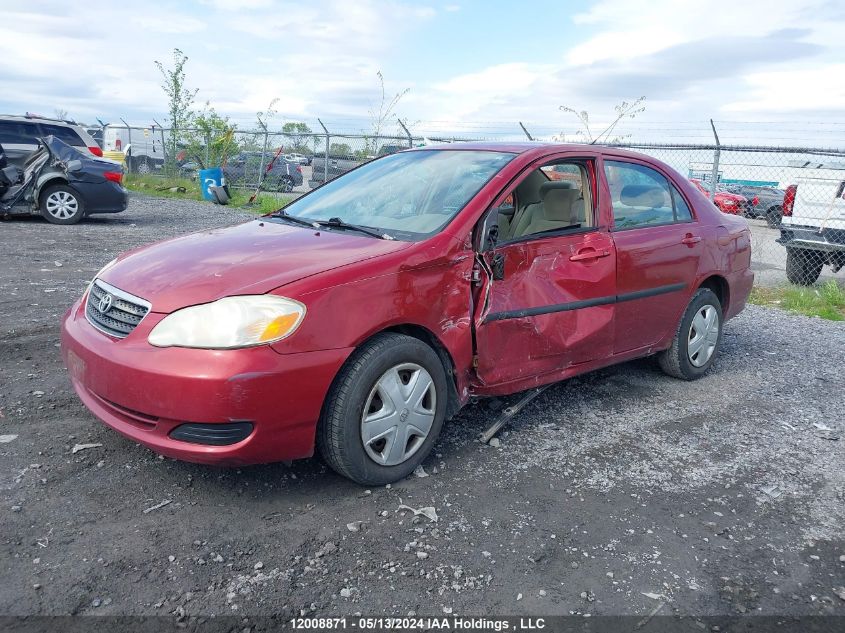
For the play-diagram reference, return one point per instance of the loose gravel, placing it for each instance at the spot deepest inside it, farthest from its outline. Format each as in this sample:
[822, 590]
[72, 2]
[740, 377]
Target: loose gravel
[611, 493]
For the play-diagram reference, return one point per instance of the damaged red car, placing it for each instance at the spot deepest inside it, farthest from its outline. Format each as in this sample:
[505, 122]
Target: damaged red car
[363, 315]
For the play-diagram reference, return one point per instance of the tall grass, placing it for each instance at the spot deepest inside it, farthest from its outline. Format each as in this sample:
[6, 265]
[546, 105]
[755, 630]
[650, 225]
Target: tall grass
[826, 301]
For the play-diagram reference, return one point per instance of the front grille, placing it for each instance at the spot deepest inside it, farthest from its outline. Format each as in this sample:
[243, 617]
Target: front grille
[113, 311]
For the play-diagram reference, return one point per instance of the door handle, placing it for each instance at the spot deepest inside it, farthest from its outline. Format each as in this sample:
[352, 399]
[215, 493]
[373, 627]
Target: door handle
[690, 239]
[588, 253]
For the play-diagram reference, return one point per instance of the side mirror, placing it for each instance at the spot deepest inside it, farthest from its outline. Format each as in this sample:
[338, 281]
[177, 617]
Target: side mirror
[487, 235]
[74, 166]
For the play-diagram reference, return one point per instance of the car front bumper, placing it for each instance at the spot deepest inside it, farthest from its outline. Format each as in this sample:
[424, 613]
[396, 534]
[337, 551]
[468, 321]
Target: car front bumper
[270, 400]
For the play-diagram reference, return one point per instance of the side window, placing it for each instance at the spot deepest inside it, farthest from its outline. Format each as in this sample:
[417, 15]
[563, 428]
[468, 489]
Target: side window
[641, 196]
[63, 133]
[682, 212]
[554, 197]
[17, 133]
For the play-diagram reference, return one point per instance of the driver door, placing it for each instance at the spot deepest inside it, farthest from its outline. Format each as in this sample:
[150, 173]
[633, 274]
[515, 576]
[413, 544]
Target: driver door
[549, 299]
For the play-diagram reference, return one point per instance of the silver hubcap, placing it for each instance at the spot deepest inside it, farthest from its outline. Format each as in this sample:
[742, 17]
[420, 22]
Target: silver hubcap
[62, 205]
[703, 335]
[144, 168]
[398, 414]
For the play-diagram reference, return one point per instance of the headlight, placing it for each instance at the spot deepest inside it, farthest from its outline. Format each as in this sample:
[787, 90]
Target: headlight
[229, 323]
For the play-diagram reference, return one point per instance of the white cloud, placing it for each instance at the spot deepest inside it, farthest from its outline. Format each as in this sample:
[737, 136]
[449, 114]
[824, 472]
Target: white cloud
[799, 91]
[320, 58]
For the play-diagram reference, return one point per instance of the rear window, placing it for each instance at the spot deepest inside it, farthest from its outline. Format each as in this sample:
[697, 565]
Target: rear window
[63, 133]
[17, 133]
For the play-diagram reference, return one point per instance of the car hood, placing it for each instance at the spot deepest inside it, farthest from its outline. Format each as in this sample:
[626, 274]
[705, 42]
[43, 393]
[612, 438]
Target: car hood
[251, 258]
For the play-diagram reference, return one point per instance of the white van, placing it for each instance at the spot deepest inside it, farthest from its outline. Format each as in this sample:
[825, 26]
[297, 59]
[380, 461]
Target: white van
[144, 147]
[813, 225]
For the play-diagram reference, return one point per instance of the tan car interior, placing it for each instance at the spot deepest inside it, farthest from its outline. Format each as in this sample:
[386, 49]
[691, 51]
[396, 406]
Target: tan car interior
[541, 203]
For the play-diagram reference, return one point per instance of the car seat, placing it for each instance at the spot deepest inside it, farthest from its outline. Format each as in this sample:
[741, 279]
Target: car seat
[9, 174]
[555, 211]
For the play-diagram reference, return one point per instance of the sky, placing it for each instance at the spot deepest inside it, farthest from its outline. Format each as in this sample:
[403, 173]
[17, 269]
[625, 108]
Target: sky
[760, 68]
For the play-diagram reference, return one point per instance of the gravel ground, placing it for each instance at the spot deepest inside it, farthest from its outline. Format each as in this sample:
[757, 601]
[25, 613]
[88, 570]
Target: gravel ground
[612, 493]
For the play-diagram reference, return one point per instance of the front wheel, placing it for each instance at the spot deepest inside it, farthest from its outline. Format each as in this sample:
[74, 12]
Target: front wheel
[286, 184]
[803, 267]
[384, 410]
[61, 204]
[697, 339]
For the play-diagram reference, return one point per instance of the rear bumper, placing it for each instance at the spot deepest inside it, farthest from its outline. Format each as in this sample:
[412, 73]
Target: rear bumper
[107, 197]
[148, 394]
[812, 237]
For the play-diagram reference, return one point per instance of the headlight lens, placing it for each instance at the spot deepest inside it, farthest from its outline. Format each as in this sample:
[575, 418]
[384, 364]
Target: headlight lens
[229, 323]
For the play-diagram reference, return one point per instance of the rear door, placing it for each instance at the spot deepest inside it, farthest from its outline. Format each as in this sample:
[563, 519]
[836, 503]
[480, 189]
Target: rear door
[18, 139]
[549, 301]
[658, 244]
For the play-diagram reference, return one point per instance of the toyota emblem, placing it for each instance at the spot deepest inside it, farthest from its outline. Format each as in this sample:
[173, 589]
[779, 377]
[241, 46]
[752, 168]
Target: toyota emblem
[105, 304]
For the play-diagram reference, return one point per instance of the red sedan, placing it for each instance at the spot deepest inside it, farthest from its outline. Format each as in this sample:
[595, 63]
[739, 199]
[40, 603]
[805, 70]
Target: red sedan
[366, 313]
[727, 202]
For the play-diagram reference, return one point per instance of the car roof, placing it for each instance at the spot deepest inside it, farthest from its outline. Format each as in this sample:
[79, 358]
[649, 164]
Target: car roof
[37, 119]
[535, 147]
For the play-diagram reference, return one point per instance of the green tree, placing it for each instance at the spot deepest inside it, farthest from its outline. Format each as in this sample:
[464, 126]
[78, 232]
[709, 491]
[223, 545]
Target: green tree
[624, 110]
[298, 132]
[340, 149]
[179, 101]
[211, 139]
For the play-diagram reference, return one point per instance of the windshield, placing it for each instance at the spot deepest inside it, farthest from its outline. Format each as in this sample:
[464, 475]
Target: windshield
[408, 196]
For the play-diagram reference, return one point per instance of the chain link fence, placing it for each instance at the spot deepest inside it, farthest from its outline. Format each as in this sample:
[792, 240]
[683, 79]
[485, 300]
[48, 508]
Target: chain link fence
[792, 197]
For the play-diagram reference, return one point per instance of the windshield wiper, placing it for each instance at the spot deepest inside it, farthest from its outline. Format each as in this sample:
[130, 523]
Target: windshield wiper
[281, 213]
[340, 224]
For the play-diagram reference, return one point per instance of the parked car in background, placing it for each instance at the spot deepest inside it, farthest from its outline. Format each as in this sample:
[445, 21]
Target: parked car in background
[360, 317]
[62, 183]
[302, 159]
[247, 168]
[337, 164]
[763, 202]
[386, 150]
[726, 201]
[813, 226]
[143, 147]
[19, 136]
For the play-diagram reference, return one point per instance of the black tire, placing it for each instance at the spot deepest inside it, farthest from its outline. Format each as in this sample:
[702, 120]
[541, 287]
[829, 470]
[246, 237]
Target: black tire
[339, 433]
[774, 216]
[676, 360]
[142, 166]
[803, 267]
[61, 204]
[286, 184]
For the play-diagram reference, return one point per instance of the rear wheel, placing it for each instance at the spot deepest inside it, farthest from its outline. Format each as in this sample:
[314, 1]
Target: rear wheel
[803, 267]
[774, 216]
[61, 204]
[697, 339]
[286, 184]
[384, 410]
